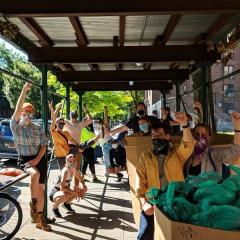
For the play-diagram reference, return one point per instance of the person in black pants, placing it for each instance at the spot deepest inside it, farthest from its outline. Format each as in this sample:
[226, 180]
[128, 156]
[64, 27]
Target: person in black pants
[117, 159]
[88, 159]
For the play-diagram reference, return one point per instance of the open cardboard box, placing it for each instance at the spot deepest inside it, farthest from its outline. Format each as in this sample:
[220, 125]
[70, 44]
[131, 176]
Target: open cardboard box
[135, 145]
[165, 229]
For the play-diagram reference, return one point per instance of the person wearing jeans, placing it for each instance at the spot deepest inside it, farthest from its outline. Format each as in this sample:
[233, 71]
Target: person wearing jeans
[159, 165]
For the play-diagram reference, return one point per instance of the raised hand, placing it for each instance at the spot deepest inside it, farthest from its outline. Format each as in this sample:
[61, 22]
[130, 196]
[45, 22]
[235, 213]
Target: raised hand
[164, 113]
[236, 120]
[181, 118]
[50, 105]
[27, 86]
[197, 104]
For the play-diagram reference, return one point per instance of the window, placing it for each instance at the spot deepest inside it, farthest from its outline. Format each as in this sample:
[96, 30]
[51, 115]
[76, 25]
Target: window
[228, 90]
[219, 103]
[227, 70]
[185, 87]
[228, 107]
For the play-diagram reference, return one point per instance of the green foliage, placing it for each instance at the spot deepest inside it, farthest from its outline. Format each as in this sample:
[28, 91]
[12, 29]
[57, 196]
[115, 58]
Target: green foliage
[118, 102]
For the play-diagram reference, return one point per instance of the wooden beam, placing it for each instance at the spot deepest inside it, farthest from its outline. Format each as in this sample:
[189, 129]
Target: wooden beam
[122, 86]
[122, 54]
[161, 40]
[44, 39]
[82, 40]
[172, 23]
[123, 76]
[46, 8]
[81, 36]
[213, 29]
[122, 23]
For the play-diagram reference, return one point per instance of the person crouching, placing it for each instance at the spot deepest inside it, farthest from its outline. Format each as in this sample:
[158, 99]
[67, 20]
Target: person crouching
[62, 192]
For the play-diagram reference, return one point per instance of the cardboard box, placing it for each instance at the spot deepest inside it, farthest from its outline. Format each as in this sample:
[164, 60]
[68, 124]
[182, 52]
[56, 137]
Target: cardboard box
[166, 229]
[135, 145]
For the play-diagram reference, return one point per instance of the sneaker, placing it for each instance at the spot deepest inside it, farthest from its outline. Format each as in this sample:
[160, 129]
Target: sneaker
[68, 208]
[56, 213]
[96, 180]
[119, 177]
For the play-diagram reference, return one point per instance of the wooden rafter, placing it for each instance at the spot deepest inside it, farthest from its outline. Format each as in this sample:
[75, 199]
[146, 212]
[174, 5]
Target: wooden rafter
[213, 29]
[122, 23]
[80, 34]
[81, 40]
[44, 39]
[161, 40]
[172, 23]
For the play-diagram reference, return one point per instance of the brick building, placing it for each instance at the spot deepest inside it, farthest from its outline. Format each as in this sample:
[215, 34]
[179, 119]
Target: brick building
[226, 93]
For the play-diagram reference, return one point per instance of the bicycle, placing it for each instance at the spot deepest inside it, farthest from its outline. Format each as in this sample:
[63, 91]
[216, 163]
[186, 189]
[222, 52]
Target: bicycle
[10, 216]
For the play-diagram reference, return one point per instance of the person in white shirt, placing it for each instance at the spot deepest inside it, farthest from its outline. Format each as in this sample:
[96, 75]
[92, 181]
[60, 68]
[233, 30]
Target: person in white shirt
[74, 127]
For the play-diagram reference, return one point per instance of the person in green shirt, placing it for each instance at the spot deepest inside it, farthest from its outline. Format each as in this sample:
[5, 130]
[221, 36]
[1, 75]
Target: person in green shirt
[88, 154]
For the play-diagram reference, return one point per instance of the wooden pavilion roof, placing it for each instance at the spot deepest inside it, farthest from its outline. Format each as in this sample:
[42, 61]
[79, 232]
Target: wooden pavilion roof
[121, 41]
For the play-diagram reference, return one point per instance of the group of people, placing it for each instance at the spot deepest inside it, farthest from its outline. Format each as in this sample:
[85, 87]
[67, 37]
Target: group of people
[167, 161]
[164, 162]
[73, 145]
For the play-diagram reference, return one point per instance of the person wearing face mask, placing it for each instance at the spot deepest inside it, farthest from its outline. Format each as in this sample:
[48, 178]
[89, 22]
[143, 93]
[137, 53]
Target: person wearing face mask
[206, 157]
[159, 165]
[62, 192]
[117, 159]
[31, 141]
[74, 127]
[143, 123]
[61, 138]
[141, 111]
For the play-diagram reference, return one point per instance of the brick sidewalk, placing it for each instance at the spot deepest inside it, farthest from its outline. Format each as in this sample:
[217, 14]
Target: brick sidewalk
[105, 213]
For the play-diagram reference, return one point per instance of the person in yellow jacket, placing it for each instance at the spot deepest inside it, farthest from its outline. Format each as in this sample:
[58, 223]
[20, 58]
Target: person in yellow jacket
[158, 166]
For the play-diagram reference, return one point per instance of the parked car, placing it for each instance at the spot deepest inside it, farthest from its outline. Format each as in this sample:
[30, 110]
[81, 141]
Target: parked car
[7, 146]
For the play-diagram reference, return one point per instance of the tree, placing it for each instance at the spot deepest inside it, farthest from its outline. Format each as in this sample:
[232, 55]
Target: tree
[118, 102]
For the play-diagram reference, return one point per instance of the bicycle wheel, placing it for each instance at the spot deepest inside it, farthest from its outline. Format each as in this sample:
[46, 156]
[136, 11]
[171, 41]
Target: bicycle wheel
[10, 216]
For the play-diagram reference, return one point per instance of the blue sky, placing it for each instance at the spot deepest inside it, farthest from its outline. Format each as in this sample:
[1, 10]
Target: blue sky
[12, 48]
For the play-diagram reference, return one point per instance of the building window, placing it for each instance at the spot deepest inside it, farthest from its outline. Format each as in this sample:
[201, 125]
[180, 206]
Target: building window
[185, 87]
[228, 70]
[228, 90]
[219, 103]
[228, 107]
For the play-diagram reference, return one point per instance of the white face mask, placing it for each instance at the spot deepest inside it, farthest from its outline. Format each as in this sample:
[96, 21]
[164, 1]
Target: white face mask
[114, 145]
[23, 119]
[71, 165]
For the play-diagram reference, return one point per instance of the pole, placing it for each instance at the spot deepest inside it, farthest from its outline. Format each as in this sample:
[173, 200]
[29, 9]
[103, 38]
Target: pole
[164, 99]
[67, 86]
[178, 96]
[80, 104]
[44, 101]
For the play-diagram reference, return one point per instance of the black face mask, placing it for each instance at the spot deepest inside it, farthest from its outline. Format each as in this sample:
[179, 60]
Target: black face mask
[160, 146]
[60, 126]
[141, 112]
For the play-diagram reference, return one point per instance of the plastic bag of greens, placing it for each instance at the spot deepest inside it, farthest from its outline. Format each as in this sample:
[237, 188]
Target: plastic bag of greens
[237, 203]
[233, 182]
[211, 177]
[214, 195]
[178, 206]
[221, 217]
[157, 197]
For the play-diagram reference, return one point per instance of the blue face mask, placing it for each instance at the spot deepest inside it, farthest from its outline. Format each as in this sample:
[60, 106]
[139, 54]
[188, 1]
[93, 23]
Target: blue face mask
[144, 128]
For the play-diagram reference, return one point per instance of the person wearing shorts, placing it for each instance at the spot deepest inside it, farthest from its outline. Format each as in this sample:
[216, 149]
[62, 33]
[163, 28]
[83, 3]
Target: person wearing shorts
[31, 142]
